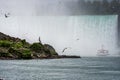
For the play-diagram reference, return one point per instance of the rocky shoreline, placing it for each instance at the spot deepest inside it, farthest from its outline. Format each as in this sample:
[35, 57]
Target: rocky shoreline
[12, 48]
[55, 57]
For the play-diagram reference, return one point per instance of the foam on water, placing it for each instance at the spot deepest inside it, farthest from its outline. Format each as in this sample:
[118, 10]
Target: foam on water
[61, 69]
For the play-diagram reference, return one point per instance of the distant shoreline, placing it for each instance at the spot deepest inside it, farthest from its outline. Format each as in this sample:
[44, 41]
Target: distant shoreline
[53, 57]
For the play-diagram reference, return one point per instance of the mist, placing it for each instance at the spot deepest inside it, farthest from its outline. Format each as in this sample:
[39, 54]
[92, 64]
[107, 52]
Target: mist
[84, 35]
[38, 7]
[42, 7]
[54, 22]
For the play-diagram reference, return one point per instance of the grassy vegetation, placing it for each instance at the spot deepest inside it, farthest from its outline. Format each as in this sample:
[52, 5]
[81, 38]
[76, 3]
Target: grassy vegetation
[23, 50]
[5, 43]
[17, 45]
[15, 48]
[26, 54]
[37, 47]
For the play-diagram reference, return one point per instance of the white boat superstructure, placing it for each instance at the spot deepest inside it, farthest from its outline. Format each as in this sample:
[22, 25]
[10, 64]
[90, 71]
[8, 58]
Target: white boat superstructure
[102, 51]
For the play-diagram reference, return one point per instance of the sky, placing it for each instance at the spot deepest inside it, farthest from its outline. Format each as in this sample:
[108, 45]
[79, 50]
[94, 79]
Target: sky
[54, 22]
[39, 7]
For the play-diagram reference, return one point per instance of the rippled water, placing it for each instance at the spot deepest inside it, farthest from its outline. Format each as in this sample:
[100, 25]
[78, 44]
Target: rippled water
[61, 69]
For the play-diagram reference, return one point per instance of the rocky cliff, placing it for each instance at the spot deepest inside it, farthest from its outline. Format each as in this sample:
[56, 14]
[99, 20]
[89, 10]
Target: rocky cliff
[15, 48]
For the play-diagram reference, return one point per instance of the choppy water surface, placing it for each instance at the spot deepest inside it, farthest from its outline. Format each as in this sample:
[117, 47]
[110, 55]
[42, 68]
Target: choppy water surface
[61, 69]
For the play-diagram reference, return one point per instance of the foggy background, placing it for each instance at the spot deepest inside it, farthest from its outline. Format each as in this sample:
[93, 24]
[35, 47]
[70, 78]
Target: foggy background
[57, 22]
[45, 7]
[82, 35]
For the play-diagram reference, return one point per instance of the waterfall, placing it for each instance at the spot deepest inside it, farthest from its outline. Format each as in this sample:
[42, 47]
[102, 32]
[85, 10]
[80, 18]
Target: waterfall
[94, 31]
[83, 34]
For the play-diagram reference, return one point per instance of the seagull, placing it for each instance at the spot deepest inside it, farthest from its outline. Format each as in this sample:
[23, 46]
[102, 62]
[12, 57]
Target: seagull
[7, 15]
[64, 49]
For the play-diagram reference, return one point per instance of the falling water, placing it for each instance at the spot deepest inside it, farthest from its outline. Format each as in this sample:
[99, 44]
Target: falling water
[83, 34]
[94, 31]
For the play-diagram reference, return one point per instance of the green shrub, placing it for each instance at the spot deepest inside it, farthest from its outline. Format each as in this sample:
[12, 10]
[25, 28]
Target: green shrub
[5, 43]
[37, 47]
[23, 41]
[15, 52]
[12, 50]
[17, 45]
[25, 44]
[26, 54]
[21, 53]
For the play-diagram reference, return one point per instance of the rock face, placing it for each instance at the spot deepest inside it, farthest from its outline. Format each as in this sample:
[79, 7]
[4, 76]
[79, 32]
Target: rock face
[50, 49]
[7, 37]
[15, 48]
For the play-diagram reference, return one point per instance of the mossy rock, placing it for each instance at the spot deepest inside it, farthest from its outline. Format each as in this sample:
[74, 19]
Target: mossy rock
[17, 45]
[3, 50]
[25, 44]
[15, 52]
[50, 49]
[26, 54]
[20, 49]
[37, 47]
[23, 41]
[21, 53]
[5, 43]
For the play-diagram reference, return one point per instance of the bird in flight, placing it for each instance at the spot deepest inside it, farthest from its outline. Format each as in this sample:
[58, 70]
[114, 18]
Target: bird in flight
[65, 49]
[7, 15]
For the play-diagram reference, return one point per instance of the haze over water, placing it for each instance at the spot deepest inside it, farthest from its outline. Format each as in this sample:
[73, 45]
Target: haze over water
[83, 35]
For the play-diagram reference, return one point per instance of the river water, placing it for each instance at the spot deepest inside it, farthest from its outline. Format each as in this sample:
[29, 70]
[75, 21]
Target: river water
[86, 68]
